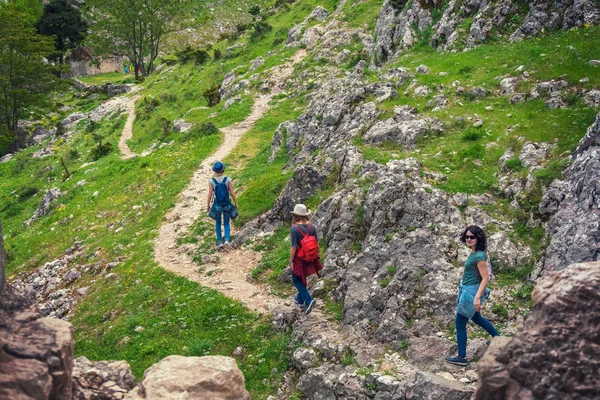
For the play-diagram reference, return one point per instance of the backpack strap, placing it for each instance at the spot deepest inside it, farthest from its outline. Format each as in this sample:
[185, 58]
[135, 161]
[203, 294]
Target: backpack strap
[300, 230]
[215, 181]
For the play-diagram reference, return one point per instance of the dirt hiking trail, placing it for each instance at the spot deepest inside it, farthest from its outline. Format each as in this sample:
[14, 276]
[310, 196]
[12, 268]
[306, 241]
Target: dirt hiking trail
[229, 274]
[128, 129]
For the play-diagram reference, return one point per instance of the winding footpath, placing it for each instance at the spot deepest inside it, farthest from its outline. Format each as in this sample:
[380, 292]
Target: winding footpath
[128, 129]
[230, 273]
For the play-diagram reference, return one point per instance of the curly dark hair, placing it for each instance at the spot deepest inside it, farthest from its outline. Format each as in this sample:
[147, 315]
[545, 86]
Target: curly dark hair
[479, 234]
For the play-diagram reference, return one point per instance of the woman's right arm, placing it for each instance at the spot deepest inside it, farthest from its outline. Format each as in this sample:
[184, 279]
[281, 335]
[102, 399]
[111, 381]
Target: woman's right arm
[210, 195]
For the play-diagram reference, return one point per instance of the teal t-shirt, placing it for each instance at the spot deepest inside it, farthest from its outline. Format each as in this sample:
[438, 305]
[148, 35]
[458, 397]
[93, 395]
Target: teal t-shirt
[471, 275]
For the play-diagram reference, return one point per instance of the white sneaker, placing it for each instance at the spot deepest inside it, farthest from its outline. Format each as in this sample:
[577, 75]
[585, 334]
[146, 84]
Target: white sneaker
[228, 246]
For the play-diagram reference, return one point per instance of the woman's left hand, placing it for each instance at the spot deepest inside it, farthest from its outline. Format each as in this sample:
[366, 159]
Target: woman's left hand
[477, 304]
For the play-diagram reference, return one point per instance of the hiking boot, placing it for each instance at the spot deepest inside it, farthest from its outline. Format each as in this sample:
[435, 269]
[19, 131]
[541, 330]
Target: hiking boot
[310, 306]
[227, 245]
[488, 342]
[457, 361]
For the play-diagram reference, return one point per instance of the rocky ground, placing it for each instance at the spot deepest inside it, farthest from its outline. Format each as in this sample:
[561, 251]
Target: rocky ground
[393, 258]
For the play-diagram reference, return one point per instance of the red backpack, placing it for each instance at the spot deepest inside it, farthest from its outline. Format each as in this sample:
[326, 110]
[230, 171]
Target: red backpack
[309, 247]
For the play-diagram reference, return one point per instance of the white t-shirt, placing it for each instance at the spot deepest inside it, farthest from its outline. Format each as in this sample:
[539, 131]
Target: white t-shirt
[220, 180]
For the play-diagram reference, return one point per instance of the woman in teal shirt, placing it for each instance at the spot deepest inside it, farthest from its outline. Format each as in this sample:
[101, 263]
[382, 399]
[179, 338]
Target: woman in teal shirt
[472, 292]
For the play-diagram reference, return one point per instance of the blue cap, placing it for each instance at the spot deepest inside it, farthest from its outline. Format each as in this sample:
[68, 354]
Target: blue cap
[219, 167]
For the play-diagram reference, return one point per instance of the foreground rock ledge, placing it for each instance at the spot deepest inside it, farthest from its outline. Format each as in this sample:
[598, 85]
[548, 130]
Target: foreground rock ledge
[556, 353]
[178, 377]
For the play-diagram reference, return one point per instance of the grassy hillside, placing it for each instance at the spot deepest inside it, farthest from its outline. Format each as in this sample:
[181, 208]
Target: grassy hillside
[133, 196]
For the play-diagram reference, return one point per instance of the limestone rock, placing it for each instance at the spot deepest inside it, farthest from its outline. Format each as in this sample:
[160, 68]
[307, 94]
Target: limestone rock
[508, 85]
[533, 154]
[257, 62]
[36, 353]
[422, 69]
[319, 13]
[180, 125]
[210, 377]
[44, 207]
[592, 98]
[574, 227]
[430, 386]
[558, 346]
[304, 358]
[231, 102]
[101, 379]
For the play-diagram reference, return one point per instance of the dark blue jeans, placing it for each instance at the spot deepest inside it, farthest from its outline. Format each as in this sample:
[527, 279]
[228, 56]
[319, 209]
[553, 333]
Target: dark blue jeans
[303, 295]
[461, 330]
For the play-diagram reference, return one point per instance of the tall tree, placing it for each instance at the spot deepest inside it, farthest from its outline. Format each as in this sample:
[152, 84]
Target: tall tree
[134, 28]
[25, 76]
[63, 21]
[2, 261]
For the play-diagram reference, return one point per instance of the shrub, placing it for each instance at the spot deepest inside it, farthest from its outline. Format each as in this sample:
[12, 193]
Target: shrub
[212, 95]
[254, 10]
[514, 164]
[166, 126]
[27, 192]
[101, 149]
[199, 56]
[260, 28]
[207, 128]
[217, 54]
[60, 129]
[471, 135]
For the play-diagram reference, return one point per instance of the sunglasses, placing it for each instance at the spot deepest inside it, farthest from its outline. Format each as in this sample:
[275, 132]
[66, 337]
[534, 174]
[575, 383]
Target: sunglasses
[469, 237]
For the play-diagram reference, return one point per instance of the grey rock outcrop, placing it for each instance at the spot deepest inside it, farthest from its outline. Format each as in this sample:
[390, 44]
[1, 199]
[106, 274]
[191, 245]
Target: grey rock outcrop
[36, 352]
[49, 197]
[404, 128]
[181, 125]
[575, 227]
[319, 13]
[397, 28]
[106, 380]
[558, 343]
[430, 386]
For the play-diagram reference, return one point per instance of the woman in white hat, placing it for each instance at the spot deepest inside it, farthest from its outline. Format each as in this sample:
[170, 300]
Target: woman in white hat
[304, 255]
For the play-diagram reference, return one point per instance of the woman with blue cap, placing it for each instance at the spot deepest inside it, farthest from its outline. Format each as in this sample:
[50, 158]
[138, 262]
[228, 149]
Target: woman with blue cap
[219, 206]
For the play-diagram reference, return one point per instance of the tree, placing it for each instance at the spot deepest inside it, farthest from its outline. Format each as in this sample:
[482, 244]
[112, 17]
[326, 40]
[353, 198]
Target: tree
[134, 28]
[63, 21]
[2, 261]
[25, 76]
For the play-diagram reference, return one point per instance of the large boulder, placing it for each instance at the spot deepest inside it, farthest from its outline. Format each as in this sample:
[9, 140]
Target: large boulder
[178, 377]
[556, 353]
[429, 386]
[575, 227]
[36, 353]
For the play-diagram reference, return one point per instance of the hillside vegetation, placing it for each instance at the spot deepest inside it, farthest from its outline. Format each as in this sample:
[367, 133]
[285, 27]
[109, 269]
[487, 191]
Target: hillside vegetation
[115, 206]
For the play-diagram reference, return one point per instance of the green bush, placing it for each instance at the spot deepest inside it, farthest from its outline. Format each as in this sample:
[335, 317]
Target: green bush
[199, 56]
[260, 28]
[101, 149]
[212, 95]
[207, 128]
[217, 54]
[254, 10]
[471, 135]
[514, 164]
